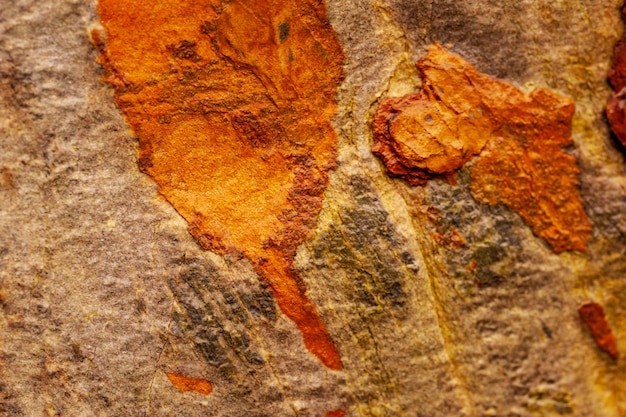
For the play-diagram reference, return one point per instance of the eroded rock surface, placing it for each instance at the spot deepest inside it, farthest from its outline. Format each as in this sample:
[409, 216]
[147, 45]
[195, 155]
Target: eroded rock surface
[440, 305]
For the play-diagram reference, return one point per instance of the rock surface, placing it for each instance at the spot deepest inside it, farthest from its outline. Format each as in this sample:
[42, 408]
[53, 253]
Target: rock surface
[438, 304]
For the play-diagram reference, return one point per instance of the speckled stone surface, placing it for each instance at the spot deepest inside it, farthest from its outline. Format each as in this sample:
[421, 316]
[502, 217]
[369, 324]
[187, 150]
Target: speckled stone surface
[104, 291]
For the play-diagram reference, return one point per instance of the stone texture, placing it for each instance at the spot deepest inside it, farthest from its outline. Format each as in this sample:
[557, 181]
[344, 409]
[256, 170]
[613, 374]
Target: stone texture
[439, 305]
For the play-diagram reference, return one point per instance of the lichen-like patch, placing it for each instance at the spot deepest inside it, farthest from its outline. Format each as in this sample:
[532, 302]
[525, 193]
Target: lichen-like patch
[592, 314]
[186, 383]
[232, 112]
[514, 139]
[616, 107]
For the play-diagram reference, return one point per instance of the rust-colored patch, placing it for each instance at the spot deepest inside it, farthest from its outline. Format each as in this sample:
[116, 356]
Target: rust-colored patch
[186, 383]
[444, 235]
[6, 178]
[515, 139]
[336, 413]
[233, 118]
[592, 314]
[472, 267]
[616, 107]
[450, 240]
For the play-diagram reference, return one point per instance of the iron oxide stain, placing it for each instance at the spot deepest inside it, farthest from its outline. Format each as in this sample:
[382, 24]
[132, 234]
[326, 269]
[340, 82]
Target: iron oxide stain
[592, 314]
[513, 140]
[185, 383]
[233, 118]
[616, 107]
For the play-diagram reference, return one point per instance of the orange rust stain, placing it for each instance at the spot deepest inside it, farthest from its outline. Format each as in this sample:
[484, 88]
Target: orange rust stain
[592, 314]
[336, 413]
[472, 266]
[232, 104]
[616, 107]
[185, 383]
[7, 180]
[515, 140]
[450, 240]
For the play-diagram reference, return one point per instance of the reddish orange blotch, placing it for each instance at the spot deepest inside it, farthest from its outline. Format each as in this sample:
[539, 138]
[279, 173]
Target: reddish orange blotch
[514, 139]
[233, 119]
[615, 112]
[336, 413]
[472, 266]
[185, 383]
[7, 178]
[592, 314]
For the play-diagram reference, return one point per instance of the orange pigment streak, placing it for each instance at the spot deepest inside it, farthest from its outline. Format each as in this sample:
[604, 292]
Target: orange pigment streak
[232, 102]
[185, 383]
[515, 141]
[336, 413]
[592, 314]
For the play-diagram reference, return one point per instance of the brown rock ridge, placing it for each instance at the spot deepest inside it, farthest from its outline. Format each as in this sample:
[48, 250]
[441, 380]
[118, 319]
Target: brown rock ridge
[617, 77]
[233, 119]
[514, 138]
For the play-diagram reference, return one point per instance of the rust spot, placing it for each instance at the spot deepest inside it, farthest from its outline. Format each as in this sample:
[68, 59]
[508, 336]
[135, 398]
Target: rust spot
[336, 413]
[615, 110]
[472, 267]
[185, 383]
[444, 235]
[233, 118]
[514, 139]
[7, 180]
[592, 314]
[450, 240]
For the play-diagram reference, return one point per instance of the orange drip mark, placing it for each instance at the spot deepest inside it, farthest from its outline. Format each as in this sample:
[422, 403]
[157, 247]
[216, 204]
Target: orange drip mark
[300, 309]
[592, 314]
[516, 141]
[184, 383]
[233, 117]
[336, 413]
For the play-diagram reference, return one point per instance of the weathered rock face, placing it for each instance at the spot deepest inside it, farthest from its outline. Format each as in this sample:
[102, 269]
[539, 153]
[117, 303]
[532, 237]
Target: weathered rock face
[438, 300]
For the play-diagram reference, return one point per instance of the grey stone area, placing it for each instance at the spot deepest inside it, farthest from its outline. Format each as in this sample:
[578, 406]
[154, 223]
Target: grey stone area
[365, 267]
[490, 34]
[103, 291]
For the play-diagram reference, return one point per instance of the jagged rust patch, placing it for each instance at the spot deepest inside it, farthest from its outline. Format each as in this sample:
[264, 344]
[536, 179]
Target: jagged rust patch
[185, 383]
[592, 314]
[514, 138]
[232, 102]
[616, 107]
